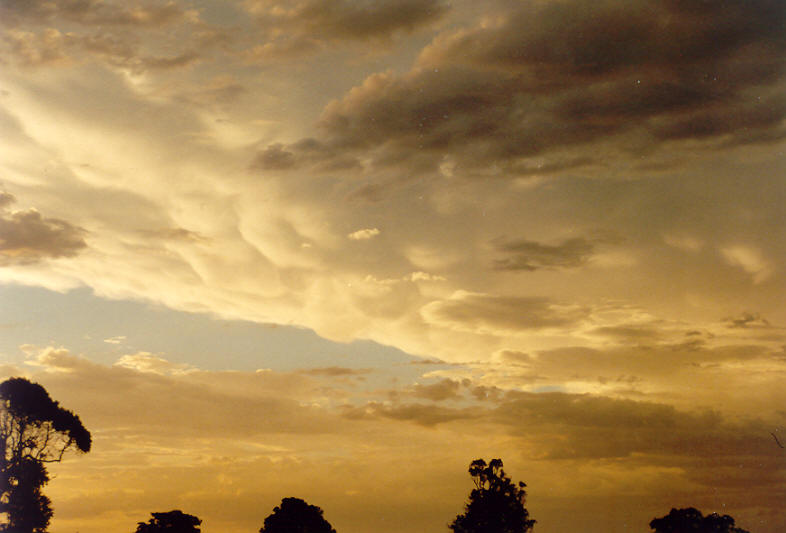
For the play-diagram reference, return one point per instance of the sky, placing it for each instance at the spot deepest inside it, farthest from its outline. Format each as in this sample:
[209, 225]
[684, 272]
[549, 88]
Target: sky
[338, 250]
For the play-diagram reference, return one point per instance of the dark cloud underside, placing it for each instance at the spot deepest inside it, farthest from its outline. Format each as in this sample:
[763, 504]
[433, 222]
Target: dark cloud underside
[530, 255]
[28, 237]
[555, 77]
[480, 312]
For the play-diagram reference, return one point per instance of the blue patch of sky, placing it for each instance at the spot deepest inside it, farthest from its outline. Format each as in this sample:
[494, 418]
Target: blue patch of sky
[83, 323]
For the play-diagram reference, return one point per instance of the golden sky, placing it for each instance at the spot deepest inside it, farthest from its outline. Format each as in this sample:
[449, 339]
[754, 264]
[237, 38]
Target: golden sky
[338, 250]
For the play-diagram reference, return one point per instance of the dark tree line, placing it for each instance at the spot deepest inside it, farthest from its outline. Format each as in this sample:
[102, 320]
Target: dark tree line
[691, 520]
[292, 516]
[35, 430]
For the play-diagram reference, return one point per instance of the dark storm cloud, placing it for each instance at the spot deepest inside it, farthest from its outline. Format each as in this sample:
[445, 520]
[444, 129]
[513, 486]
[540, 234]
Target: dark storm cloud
[91, 12]
[546, 78]
[307, 153]
[531, 255]
[41, 33]
[500, 314]
[28, 237]
[346, 19]
[587, 426]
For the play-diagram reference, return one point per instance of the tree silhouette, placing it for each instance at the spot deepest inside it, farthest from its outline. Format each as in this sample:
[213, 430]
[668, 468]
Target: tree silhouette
[34, 430]
[296, 516]
[496, 504]
[691, 520]
[170, 522]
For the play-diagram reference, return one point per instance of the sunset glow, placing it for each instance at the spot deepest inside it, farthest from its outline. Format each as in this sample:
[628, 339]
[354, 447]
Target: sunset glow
[336, 250]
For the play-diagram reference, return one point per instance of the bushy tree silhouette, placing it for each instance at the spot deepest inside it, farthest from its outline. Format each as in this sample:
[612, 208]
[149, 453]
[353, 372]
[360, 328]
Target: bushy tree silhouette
[496, 504]
[34, 430]
[170, 522]
[296, 516]
[690, 520]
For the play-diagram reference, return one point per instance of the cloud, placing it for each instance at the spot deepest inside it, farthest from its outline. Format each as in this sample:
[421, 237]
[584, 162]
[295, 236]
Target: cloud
[445, 389]
[39, 33]
[143, 391]
[92, 12]
[747, 320]
[56, 360]
[483, 313]
[228, 430]
[335, 371]
[531, 255]
[147, 362]
[306, 25]
[274, 157]
[364, 234]
[308, 154]
[27, 237]
[749, 259]
[548, 80]
[421, 414]
[598, 427]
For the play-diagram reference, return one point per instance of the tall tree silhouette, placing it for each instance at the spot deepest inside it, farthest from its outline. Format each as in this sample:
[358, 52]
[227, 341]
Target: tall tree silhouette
[690, 520]
[170, 522]
[34, 430]
[496, 504]
[296, 516]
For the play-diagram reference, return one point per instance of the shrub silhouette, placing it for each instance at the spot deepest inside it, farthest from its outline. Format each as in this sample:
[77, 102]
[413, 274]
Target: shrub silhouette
[296, 516]
[496, 505]
[690, 520]
[170, 522]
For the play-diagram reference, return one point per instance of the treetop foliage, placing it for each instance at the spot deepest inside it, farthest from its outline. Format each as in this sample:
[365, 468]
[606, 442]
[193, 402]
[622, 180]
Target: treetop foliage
[175, 521]
[296, 516]
[496, 504]
[34, 430]
[30, 404]
[690, 520]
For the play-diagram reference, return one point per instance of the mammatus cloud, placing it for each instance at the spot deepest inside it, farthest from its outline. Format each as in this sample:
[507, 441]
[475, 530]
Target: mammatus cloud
[530, 255]
[500, 314]
[28, 237]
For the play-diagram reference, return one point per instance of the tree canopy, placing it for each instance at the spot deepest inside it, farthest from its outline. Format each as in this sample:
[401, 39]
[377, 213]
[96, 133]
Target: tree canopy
[496, 504]
[34, 425]
[170, 522]
[690, 520]
[34, 430]
[296, 516]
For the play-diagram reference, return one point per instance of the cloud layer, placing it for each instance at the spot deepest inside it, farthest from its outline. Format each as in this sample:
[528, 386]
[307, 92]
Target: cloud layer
[572, 211]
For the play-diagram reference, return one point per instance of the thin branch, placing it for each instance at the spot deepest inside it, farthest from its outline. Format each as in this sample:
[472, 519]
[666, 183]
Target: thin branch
[776, 440]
